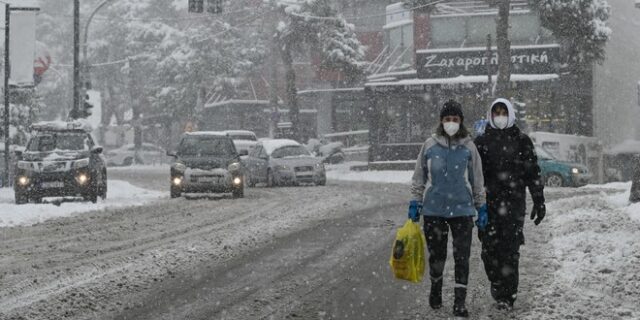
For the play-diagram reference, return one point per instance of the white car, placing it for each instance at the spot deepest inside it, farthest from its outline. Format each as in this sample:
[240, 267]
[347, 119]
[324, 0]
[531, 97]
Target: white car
[244, 140]
[283, 162]
[126, 155]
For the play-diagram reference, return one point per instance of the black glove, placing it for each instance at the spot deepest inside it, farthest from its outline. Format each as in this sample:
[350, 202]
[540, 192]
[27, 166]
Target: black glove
[538, 212]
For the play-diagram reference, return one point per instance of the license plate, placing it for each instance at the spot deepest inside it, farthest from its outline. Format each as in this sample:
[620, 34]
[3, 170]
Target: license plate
[208, 179]
[54, 184]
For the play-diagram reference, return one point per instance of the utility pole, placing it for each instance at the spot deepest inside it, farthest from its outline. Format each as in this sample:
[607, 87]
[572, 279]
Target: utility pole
[504, 48]
[75, 109]
[7, 70]
[273, 89]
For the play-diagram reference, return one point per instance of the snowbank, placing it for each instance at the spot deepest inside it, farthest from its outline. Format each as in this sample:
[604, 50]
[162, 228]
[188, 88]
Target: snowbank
[342, 172]
[120, 194]
[594, 243]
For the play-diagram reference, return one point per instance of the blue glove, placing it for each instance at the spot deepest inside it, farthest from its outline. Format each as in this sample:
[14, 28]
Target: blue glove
[415, 207]
[483, 217]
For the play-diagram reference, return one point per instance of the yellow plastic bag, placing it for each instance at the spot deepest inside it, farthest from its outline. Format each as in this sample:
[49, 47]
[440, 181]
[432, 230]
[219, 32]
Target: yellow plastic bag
[407, 256]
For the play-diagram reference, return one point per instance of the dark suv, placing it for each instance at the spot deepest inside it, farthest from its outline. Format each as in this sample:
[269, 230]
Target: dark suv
[207, 162]
[60, 160]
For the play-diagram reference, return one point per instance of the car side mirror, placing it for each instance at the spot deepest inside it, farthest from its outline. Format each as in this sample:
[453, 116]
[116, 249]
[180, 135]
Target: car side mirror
[171, 154]
[244, 152]
[97, 150]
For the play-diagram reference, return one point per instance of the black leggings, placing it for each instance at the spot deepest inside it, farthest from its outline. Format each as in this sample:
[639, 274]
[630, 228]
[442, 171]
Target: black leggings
[436, 230]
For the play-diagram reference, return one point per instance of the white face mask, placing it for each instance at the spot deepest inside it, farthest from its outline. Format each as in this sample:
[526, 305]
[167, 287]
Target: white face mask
[501, 122]
[451, 128]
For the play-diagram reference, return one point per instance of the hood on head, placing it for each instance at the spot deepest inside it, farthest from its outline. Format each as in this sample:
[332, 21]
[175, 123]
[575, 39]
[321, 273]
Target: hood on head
[510, 109]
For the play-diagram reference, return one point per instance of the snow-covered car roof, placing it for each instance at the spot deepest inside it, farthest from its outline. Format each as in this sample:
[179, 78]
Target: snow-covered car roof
[131, 145]
[273, 144]
[207, 133]
[77, 125]
[247, 132]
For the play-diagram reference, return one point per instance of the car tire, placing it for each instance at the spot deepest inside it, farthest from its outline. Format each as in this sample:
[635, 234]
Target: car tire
[91, 196]
[175, 193]
[37, 200]
[322, 182]
[271, 182]
[21, 198]
[127, 161]
[238, 192]
[103, 189]
[554, 180]
[94, 191]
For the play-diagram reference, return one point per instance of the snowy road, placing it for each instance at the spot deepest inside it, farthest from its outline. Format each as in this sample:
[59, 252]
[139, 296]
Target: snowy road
[306, 253]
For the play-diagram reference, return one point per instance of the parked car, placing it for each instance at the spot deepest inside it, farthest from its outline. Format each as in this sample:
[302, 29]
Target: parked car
[61, 159]
[243, 139]
[282, 161]
[206, 162]
[126, 155]
[558, 173]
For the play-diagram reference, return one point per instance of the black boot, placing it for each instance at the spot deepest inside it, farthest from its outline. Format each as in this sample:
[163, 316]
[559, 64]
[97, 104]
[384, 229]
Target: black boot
[435, 296]
[459, 308]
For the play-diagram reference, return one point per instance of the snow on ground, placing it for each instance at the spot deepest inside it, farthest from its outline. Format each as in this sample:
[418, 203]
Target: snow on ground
[595, 255]
[342, 172]
[120, 194]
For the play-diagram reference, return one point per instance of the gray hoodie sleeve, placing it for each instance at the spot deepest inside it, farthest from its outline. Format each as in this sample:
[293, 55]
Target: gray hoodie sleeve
[479, 196]
[420, 176]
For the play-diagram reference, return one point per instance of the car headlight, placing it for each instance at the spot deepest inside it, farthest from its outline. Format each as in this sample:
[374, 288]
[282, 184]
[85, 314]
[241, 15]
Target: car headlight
[23, 181]
[234, 166]
[179, 166]
[80, 163]
[25, 165]
[82, 179]
[575, 170]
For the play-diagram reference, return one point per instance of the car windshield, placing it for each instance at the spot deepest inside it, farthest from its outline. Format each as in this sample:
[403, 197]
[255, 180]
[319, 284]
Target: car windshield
[206, 146]
[543, 154]
[290, 151]
[59, 141]
[241, 136]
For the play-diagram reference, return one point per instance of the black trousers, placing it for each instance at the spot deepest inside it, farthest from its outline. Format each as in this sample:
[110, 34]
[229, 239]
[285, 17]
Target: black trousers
[501, 241]
[436, 230]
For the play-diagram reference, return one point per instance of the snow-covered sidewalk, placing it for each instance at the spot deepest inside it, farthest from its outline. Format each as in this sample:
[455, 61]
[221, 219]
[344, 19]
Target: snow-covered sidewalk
[594, 257]
[342, 172]
[120, 194]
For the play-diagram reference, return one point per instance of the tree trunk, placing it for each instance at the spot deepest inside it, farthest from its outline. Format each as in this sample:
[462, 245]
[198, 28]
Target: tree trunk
[291, 91]
[504, 49]
[635, 184]
[135, 108]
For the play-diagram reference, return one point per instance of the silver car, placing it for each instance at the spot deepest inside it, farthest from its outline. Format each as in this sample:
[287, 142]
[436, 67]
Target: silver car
[283, 162]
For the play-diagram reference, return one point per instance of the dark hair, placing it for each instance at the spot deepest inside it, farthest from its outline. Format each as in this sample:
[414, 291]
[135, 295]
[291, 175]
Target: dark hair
[499, 105]
[462, 132]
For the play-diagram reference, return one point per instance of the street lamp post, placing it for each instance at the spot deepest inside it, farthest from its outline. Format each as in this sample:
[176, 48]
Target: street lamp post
[634, 195]
[85, 59]
[7, 23]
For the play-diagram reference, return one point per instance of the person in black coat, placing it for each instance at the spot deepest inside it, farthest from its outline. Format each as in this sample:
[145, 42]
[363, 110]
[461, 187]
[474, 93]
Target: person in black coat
[510, 165]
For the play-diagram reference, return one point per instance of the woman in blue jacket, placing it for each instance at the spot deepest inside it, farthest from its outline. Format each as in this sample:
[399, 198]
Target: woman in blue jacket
[448, 188]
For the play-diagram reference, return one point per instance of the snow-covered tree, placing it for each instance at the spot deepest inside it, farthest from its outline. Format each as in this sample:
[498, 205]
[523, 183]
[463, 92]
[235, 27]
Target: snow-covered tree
[581, 26]
[314, 23]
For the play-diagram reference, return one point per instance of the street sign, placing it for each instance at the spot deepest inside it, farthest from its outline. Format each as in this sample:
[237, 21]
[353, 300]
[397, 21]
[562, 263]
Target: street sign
[196, 6]
[454, 62]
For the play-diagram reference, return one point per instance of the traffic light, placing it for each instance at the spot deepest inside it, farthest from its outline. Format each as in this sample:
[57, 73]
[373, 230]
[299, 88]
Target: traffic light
[86, 108]
[215, 6]
[196, 6]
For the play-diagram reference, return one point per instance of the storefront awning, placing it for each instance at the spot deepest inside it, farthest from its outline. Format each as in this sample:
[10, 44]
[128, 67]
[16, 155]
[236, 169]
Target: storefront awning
[416, 84]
